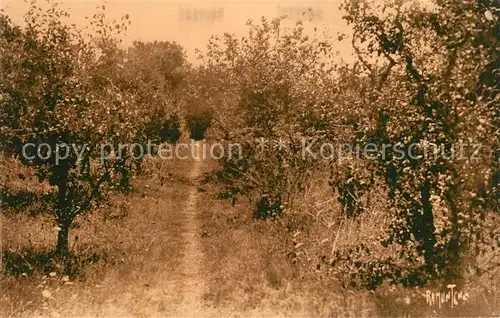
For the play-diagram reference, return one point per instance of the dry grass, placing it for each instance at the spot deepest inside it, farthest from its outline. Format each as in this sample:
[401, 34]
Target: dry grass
[250, 271]
[129, 256]
[136, 242]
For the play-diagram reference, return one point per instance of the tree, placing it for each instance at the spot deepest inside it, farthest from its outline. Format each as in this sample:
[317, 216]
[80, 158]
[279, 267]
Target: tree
[269, 91]
[197, 100]
[435, 75]
[156, 72]
[63, 111]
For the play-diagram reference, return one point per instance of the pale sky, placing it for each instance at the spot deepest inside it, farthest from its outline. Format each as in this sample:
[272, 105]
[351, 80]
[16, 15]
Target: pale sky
[191, 23]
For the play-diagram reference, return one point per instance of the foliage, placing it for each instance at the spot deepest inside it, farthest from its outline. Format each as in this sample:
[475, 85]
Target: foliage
[196, 100]
[425, 80]
[59, 89]
[434, 72]
[156, 72]
[273, 90]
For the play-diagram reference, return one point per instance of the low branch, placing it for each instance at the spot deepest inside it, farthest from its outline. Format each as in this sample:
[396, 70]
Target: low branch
[93, 193]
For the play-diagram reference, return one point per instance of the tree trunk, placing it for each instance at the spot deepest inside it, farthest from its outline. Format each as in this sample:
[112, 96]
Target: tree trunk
[454, 248]
[62, 210]
[425, 227]
[63, 239]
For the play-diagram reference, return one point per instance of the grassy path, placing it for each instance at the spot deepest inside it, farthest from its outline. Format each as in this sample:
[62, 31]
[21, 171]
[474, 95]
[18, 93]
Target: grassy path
[154, 256]
[155, 262]
[192, 277]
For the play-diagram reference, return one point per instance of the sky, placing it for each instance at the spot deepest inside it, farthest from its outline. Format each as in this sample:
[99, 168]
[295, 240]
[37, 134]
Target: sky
[191, 23]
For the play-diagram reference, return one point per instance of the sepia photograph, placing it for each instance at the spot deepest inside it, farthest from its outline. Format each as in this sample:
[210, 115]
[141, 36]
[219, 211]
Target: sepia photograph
[249, 158]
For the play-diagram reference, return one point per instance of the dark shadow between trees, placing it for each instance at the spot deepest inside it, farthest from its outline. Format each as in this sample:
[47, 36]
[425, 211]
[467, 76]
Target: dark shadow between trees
[20, 201]
[30, 261]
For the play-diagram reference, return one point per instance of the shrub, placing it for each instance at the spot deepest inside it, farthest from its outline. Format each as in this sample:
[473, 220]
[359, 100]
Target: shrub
[269, 95]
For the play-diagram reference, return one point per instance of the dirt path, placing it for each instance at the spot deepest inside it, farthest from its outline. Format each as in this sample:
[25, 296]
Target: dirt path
[192, 278]
[163, 277]
[162, 272]
[179, 290]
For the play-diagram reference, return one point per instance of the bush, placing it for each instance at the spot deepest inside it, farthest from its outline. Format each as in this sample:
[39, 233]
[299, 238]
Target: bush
[269, 95]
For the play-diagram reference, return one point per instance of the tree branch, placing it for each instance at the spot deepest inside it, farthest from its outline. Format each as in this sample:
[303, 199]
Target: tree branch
[93, 193]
